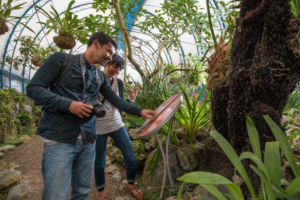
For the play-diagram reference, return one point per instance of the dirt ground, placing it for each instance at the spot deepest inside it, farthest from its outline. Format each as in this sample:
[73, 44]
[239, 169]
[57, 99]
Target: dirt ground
[29, 156]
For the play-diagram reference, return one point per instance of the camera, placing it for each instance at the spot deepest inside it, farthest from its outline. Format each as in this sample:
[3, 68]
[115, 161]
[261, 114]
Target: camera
[97, 108]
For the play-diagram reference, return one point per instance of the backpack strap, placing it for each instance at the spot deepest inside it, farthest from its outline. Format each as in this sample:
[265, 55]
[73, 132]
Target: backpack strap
[63, 69]
[111, 82]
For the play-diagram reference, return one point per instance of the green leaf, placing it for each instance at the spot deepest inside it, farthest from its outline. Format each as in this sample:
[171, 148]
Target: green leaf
[180, 192]
[233, 157]
[70, 5]
[258, 162]
[294, 186]
[214, 191]
[205, 198]
[186, 99]
[204, 178]
[207, 180]
[284, 145]
[26, 27]
[285, 196]
[272, 162]
[253, 136]
[270, 191]
[44, 12]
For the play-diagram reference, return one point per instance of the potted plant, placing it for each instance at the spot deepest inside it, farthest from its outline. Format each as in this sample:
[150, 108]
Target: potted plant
[68, 28]
[43, 53]
[5, 16]
[173, 80]
[30, 49]
[36, 61]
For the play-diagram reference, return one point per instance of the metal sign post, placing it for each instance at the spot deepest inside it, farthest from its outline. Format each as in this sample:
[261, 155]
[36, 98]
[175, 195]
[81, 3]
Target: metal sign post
[164, 113]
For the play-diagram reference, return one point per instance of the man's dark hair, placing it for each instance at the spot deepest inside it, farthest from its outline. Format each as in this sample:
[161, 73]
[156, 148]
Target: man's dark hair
[102, 38]
[118, 60]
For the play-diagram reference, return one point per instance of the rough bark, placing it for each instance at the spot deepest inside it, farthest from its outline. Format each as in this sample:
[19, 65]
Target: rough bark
[262, 71]
[126, 37]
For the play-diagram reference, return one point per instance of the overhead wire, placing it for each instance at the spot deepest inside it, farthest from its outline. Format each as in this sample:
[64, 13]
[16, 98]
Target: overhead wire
[152, 6]
[40, 21]
[136, 31]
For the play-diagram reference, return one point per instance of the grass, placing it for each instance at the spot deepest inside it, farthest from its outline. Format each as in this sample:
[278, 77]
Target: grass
[31, 131]
[15, 142]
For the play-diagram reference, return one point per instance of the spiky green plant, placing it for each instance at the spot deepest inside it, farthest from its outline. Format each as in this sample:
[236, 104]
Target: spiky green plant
[269, 169]
[295, 7]
[5, 16]
[69, 25]
[192, 114]
[292, 107]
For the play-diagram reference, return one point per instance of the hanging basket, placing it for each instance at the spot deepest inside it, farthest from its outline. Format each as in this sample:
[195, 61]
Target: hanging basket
[64, 42]
[173, 81]
[129, 82]
[36, 61]
[3, 27]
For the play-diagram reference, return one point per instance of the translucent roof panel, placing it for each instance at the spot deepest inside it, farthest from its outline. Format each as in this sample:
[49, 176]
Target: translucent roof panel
[143, 43]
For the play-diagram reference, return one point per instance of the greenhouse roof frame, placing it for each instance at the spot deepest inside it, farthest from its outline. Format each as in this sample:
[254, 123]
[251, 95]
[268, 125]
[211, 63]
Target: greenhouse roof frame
[10, 46]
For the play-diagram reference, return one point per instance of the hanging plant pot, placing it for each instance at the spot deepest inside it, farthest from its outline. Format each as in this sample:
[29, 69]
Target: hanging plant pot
[179, 80]
[36, 61]
[3, 27]
[130, 82]
[173, 81]
[64, 42]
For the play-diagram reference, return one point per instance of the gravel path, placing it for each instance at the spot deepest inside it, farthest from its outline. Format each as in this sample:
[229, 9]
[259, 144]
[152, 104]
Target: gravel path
[29, 156]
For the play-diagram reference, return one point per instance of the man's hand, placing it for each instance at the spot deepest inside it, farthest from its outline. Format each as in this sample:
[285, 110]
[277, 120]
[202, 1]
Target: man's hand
[133, 93]
[149, 114]
[80, 109]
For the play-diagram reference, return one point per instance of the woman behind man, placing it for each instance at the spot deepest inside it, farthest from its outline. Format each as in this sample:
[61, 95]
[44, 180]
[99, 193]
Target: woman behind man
[112, 125]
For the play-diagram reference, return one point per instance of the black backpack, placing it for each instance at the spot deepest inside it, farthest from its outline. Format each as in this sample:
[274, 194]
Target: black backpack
[63, 69]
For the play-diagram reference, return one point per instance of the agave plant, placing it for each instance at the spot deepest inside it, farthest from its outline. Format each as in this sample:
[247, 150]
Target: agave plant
[192, 114]
[295, 7]
[6, 17]
[68, 28]
[268, 169]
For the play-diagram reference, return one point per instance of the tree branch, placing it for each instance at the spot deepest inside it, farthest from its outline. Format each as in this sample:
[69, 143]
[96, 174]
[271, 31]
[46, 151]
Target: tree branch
[140, 47]
[210, 25]
[125, 33]
[182, 70]
[125, 59]
[176, 38]
[130, 7]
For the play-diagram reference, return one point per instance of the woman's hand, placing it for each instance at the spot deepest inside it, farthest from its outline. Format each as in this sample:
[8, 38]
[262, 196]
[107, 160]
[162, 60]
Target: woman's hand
[133, 93]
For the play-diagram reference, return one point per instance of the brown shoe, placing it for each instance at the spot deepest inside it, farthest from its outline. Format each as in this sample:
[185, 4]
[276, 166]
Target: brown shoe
[136, 193]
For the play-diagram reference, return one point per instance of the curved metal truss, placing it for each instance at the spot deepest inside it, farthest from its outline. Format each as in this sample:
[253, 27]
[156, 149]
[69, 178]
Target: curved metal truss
[6, 73]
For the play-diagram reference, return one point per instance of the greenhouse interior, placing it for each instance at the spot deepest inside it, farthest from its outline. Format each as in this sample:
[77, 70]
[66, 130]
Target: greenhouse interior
[154, 100]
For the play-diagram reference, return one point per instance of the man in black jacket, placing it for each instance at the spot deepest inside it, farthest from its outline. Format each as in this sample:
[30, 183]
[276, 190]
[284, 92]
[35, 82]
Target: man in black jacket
[67, 126]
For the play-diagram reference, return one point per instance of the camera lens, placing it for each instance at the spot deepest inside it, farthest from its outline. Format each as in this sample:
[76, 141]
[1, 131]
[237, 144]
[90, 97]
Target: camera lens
[100, 112]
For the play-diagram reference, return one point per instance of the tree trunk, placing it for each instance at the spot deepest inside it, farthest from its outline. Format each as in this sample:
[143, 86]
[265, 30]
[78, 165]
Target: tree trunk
[126, 38]
[262, 71]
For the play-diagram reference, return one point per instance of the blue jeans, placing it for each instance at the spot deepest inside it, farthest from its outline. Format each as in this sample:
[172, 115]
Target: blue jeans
[122, 140]
[64, 163]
